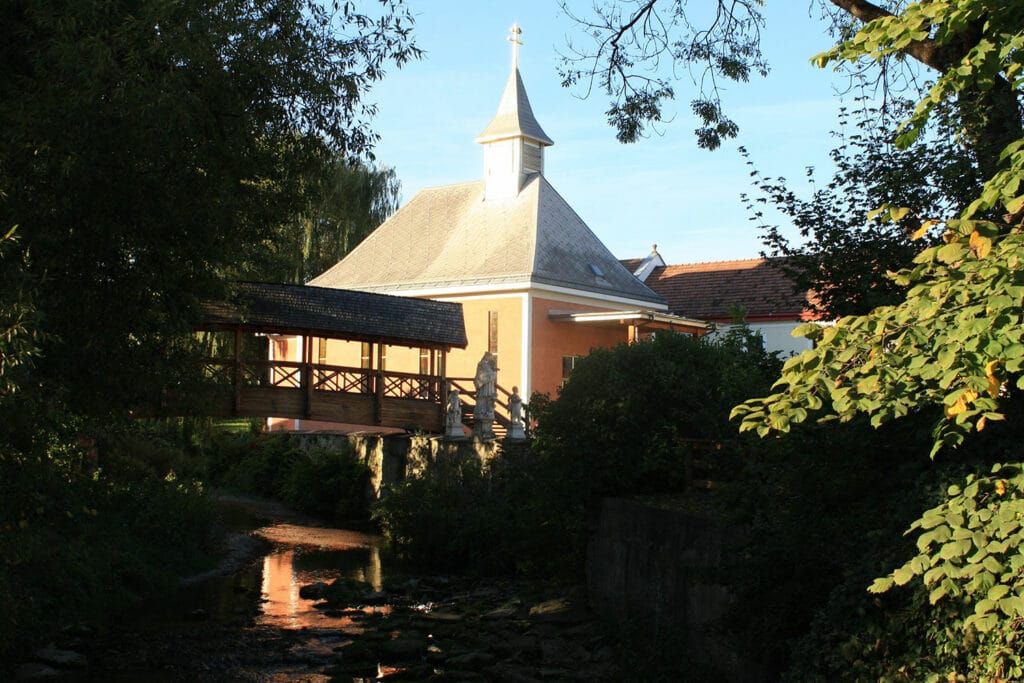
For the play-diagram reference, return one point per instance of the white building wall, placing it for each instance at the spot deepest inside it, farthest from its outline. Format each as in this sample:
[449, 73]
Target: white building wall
[777, 337]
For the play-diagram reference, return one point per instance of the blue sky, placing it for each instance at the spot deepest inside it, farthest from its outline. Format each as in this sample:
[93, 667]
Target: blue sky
[661, 190]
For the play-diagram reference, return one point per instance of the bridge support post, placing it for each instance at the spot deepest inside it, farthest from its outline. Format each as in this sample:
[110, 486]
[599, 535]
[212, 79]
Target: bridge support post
[307, 374]
[378, 387]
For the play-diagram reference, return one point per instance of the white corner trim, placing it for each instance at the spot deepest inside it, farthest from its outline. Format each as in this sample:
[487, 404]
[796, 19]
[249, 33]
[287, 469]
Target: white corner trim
[527, 346]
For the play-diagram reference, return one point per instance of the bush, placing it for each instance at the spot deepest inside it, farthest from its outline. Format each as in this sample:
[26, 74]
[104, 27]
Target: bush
[509, 517]
[820, 512]
[328, 483]
[624, 422]
[621, 426]
[77, 542]
[963, 622]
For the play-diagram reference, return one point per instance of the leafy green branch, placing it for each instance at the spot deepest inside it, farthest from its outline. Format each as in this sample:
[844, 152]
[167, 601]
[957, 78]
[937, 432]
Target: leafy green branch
[976, 45]
[19, 334]
[970, 553]
[956, 341]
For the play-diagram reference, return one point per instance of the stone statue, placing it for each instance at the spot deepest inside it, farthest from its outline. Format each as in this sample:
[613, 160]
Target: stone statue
[486, 384]
[515, 410]
[453, 416]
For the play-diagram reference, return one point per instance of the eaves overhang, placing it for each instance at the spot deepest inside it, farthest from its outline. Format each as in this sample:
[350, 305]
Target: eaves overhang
[637, 318]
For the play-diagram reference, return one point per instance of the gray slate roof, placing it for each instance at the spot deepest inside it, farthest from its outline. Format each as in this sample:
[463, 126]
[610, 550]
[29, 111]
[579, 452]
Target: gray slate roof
[515, 115]
[452, 237]
[339, 314]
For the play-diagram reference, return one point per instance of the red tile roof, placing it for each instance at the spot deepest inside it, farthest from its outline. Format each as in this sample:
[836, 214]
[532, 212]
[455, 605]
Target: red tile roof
[631, 264]
[708, 290]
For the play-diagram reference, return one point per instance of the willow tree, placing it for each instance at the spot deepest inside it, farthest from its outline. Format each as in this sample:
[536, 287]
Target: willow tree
[345, 205]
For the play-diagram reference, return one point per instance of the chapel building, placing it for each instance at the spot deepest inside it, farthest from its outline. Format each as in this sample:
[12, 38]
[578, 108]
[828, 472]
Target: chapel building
[538, 289]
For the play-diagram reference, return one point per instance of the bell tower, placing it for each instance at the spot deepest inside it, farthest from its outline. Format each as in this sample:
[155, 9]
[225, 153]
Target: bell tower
[513, 141]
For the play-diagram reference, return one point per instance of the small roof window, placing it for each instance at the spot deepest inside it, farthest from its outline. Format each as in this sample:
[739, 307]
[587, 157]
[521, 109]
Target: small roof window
[596, 270]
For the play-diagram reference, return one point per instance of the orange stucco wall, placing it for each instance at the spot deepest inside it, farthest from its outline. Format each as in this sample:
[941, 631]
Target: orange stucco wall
[463, 362]
[349, 354]
[553, 340]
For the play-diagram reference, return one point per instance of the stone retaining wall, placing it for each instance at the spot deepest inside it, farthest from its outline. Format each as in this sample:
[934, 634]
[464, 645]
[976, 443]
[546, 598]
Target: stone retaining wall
[655, 569]
[391, 458]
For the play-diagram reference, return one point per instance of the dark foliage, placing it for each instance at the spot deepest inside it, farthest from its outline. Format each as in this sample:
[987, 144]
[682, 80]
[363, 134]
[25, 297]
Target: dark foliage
[331, 484]
[622, 425]
[88, 530]
[516, 515]
[625, 420]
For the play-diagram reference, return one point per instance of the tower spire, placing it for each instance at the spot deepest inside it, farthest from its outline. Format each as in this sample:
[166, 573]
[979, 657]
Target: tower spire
[513, 141]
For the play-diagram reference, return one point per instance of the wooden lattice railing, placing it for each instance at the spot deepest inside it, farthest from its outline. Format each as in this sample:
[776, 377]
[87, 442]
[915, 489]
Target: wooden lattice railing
[347, 380]
[313, 378]
[291, 375]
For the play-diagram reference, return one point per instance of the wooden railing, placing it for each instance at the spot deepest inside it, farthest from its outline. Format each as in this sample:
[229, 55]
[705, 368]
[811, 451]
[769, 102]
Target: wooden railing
[407, 385]
[347, 380]
[314, 380]
[291, 375]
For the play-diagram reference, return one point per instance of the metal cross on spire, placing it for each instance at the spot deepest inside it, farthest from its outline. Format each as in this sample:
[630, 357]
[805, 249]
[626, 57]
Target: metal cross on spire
[514, 39]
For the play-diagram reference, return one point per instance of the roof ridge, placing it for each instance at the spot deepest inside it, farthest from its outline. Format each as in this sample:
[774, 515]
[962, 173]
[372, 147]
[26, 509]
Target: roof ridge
[546, 185]
[754, 260]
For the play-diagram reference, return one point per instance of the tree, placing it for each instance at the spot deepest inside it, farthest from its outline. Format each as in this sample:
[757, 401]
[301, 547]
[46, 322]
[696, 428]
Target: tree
[357, 199]
[955, 340]
[150, 149]
[346, 205]
[954, 345]
[640, 45]
[724, 44]
[844, 257]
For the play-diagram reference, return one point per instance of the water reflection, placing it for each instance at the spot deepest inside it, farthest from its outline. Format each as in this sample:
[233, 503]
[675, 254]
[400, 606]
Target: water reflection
[348, 555]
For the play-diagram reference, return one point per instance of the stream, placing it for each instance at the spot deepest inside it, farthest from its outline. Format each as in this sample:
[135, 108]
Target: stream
[295, 601]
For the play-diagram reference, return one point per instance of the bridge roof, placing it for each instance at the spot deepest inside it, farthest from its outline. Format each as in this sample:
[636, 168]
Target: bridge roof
[338, 314]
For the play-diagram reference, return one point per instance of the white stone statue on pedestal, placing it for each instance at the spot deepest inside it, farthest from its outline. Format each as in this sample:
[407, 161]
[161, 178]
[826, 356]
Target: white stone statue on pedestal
[516, 429]
[453, 416]
[486, 382]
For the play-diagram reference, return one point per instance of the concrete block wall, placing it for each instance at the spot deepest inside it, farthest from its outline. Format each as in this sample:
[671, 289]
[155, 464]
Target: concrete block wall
[654, 568]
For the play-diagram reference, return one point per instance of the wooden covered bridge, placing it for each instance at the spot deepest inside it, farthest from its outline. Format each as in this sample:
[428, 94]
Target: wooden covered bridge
[313, 391]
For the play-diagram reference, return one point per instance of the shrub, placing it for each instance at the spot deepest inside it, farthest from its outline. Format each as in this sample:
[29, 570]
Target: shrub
[328, 483]
[624, 421]
[509, 517]
[619, 427]
[78, 543]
